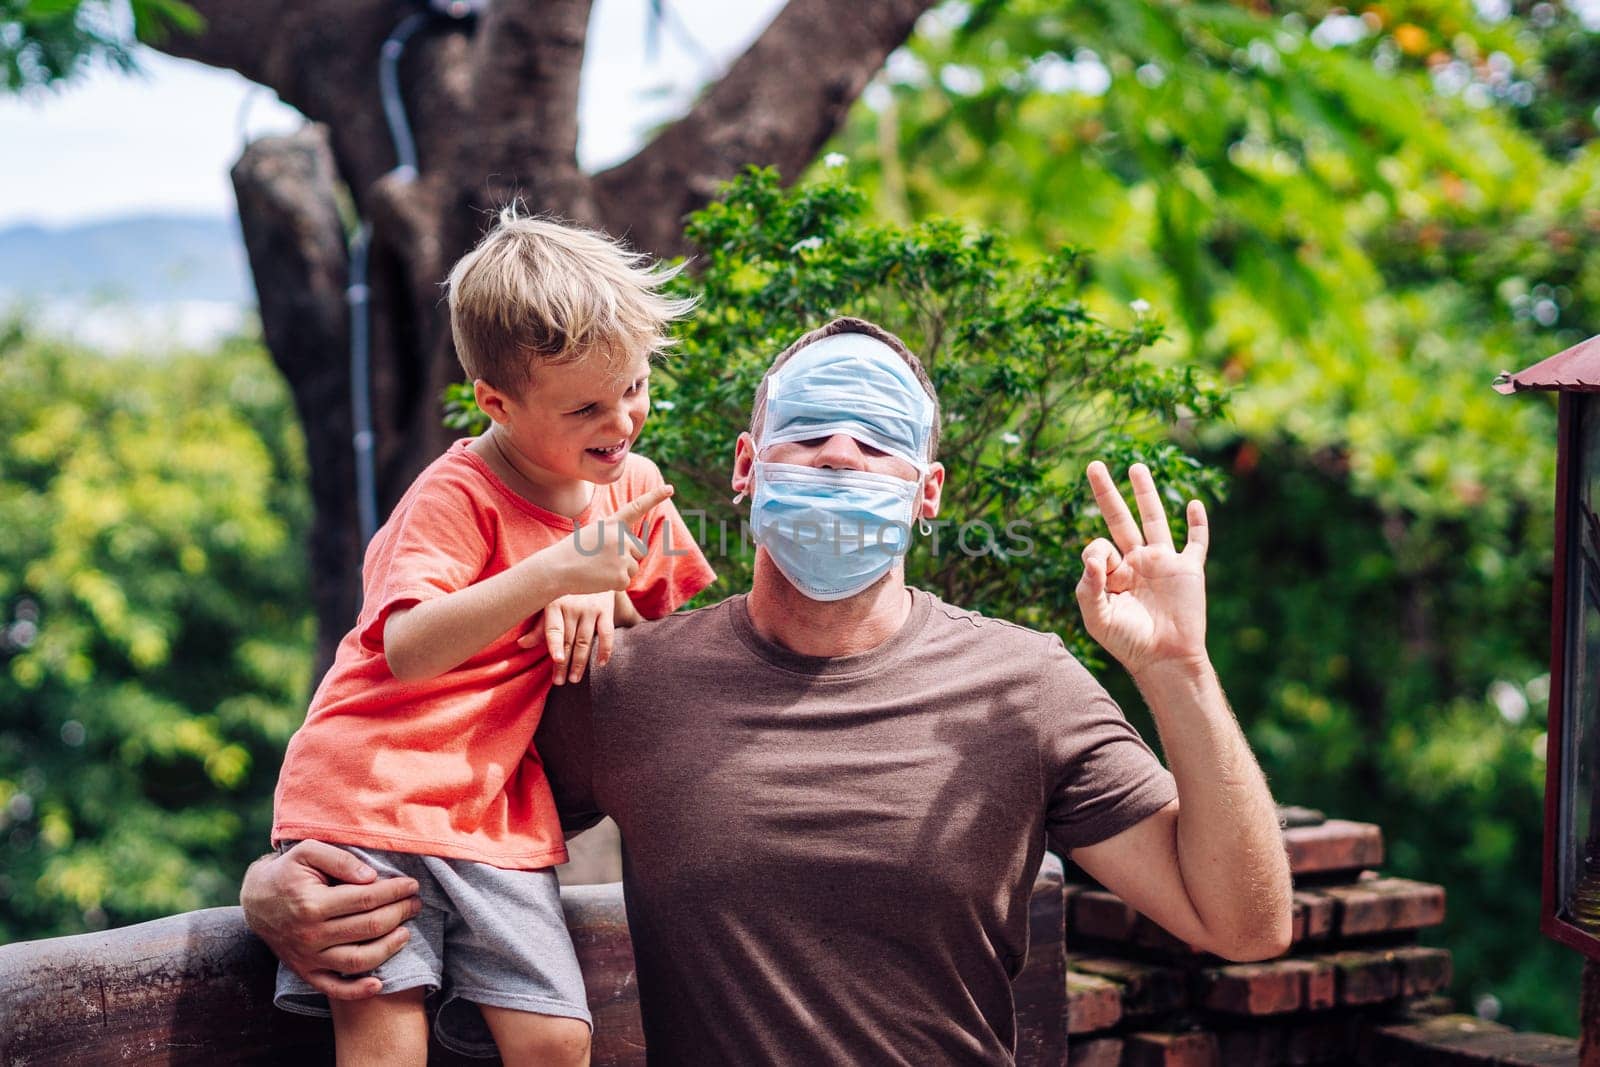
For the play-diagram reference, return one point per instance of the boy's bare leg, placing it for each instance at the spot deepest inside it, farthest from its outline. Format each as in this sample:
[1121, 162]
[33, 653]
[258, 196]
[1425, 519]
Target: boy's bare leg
[527, 1039]
[385, 1031]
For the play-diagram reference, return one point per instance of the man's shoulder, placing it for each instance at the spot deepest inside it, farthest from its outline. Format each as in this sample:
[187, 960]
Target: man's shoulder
[1000, 653]
[677, 635]
[961, 624]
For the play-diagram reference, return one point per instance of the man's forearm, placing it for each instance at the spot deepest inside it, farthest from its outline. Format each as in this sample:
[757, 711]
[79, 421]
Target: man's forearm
[438, 634]
[1230, 849]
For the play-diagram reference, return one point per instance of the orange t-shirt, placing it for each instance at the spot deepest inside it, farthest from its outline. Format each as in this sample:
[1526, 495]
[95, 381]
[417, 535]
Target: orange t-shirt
[445, 767]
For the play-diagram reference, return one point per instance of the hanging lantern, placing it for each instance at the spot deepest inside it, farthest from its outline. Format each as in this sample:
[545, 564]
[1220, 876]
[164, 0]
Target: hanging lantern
[1571, 907]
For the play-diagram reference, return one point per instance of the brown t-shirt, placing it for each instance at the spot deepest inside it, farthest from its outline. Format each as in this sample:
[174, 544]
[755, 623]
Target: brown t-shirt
[830, 860]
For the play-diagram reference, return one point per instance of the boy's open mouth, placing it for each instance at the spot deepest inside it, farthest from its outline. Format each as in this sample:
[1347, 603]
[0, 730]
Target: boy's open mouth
[611, 452]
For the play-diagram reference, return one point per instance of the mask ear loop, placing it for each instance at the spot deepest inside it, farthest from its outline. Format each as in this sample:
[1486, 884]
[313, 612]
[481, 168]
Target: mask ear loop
[923, 526]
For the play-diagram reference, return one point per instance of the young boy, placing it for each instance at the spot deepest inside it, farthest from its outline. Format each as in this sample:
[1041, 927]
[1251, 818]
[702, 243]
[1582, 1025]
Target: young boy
[499, 567]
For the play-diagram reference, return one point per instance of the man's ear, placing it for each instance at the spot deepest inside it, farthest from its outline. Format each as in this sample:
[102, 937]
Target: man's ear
[932, 492]
[744, 460]
[491, 401]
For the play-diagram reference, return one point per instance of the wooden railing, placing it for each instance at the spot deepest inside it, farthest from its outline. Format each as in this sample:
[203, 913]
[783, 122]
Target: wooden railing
[197, 989]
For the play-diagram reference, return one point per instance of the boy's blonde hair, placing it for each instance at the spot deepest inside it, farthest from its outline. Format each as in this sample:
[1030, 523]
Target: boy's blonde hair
[758, 411]
[538, 291]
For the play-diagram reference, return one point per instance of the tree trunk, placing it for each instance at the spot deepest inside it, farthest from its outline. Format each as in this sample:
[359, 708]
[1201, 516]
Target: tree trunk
[493, 103]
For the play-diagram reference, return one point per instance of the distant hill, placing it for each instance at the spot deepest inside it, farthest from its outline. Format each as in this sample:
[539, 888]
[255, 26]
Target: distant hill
[140, 259]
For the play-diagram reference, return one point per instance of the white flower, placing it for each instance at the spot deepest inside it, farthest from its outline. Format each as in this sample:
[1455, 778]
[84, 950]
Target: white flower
[810, 244]
[1011, 438]
[960, 79]
[1140, 307]
[665, 405]
[834, 160]
[1336, 31]
[1509, 700]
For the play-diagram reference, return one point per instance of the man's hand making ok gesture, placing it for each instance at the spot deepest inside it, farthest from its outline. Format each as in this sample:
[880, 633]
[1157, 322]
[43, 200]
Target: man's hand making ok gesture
[1210, 866]
[1141, 598]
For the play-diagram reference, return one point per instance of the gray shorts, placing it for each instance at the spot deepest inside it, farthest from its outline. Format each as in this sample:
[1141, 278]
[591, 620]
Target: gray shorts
[484, 936]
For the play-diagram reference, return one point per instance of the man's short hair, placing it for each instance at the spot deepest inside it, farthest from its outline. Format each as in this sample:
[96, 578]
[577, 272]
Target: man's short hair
[758, 413]
[538, 291]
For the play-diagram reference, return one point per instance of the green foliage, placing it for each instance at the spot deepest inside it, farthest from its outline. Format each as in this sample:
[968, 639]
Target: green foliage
[1303, 205]
[1032, 386]
[47, 42]
[1358, 217]
[1564, 65]
[154, 627]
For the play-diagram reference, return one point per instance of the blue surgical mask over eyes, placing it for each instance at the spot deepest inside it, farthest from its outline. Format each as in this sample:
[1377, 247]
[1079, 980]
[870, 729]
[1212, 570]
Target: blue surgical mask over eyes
[852, 384]
[831, 532]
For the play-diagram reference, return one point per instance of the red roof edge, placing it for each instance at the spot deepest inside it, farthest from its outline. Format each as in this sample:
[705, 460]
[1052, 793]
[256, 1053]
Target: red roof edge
[1576, 369]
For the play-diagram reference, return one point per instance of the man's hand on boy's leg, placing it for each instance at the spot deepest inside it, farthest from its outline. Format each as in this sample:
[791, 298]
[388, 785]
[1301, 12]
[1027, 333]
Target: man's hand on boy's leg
[573, 626]
[326, 915]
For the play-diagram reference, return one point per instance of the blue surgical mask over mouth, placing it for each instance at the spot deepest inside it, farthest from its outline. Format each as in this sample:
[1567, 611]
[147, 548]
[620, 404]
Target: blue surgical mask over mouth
[833, 533]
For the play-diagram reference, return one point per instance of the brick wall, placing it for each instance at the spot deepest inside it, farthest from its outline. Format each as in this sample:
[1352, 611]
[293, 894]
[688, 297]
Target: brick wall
[1354, 988]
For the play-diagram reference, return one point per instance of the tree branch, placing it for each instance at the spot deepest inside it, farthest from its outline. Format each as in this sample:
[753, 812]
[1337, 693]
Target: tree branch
[777, 105]
[296, 243]
[526, 64]
[321, 56]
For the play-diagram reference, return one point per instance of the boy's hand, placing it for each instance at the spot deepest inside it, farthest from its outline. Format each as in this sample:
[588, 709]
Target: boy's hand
[602, 556]
[572, 626]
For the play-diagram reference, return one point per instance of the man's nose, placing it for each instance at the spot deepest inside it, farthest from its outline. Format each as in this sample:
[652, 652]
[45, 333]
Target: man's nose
[840, 452]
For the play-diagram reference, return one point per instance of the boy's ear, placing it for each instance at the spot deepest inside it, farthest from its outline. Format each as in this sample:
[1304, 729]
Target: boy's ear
[491, 401]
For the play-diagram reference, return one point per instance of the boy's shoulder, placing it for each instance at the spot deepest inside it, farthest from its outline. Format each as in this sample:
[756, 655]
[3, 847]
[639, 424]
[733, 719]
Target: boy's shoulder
[456, 473]
[456, 492]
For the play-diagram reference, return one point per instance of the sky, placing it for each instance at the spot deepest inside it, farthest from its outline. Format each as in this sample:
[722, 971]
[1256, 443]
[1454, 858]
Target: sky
[161, 142]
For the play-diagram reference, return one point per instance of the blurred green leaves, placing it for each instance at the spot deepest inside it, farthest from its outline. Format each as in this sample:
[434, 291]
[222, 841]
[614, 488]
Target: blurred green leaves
[154, 627]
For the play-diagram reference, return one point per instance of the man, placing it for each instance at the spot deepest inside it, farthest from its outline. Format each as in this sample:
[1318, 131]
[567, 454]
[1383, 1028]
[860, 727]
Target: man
[834, 793]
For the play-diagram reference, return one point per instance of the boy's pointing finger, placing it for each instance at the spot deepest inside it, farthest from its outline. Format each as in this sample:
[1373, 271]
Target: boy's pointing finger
[640, 506]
